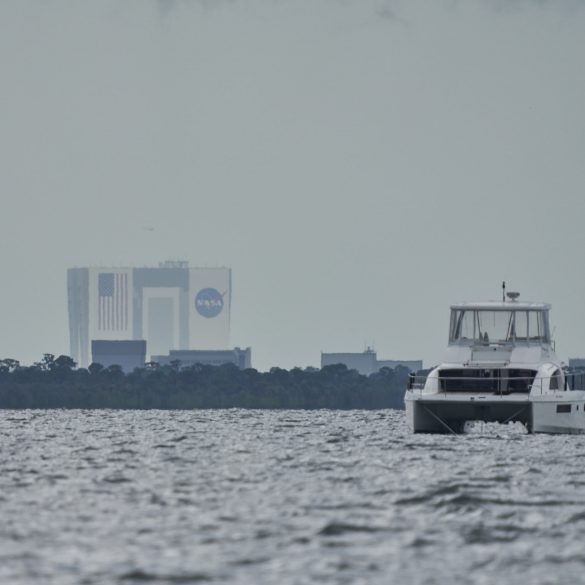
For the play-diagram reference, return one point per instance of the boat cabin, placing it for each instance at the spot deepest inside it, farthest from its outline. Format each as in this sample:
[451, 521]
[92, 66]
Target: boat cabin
[499, 323]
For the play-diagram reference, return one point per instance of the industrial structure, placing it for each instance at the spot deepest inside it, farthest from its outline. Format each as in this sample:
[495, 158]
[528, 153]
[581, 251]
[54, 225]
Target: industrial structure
[367, 362]
[242, 358]
[170, 307]
[576, 362]
[126, 354]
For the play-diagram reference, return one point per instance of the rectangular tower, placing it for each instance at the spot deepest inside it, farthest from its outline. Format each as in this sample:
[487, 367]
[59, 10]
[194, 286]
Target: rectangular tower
[210, 295]
[78, 310]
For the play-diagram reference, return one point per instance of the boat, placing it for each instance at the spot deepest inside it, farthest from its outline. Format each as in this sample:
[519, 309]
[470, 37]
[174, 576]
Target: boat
[500, 366]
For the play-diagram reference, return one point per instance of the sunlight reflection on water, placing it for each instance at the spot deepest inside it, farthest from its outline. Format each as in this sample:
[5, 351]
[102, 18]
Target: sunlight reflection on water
[122, 497]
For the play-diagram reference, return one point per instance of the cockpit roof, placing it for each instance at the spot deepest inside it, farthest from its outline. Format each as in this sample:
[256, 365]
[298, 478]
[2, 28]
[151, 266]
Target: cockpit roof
[502, 306]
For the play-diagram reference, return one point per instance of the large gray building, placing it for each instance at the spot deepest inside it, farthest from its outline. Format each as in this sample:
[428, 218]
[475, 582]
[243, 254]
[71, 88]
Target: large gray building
[242, 358]
[367, 362]
[171, 307]
[126, 354]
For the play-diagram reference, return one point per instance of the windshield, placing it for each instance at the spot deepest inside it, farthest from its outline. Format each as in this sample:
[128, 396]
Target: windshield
[485, 326]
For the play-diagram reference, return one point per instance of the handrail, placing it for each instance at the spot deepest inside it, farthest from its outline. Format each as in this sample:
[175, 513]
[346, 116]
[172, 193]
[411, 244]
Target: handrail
[520, 341]
[577, 378]
[488, 377]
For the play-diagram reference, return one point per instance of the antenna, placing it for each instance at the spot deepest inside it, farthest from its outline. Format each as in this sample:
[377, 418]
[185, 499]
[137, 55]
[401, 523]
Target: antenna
[504, 291]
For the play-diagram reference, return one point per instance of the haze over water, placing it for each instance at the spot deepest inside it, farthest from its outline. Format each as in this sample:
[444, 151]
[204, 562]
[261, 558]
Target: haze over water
[359, 164]
[283, 497]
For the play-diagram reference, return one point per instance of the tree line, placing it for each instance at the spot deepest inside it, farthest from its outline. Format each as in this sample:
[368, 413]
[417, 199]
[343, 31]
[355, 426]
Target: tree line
[56, 382]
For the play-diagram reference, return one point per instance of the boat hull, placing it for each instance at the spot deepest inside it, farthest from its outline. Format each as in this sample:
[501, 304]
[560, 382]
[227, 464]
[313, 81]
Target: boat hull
[444, 414]
[448, 414]
[559, 416]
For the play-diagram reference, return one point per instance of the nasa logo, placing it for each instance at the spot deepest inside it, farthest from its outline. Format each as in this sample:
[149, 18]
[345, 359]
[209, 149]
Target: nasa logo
[209, 302]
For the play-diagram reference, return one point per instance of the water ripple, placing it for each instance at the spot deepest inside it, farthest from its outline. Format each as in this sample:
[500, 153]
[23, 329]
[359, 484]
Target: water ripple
[283, 498]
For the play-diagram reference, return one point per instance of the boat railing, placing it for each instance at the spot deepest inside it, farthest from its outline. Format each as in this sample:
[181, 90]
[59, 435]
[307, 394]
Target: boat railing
[416, 382]
[501, 385]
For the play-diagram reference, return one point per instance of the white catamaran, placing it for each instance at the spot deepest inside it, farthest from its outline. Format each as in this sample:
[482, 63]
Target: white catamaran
[500, 366]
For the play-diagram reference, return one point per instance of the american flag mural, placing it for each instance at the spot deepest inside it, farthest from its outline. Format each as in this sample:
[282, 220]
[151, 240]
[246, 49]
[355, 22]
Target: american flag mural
[112, 301]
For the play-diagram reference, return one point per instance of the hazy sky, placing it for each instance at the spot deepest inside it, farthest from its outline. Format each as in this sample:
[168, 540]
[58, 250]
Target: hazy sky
[359, 164]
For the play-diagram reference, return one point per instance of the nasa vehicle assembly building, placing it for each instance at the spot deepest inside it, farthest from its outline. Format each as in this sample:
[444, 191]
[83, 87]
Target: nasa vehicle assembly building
[171, 307]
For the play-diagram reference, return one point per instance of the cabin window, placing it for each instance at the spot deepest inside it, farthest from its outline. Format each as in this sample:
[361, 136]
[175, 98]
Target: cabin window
[494, 325]
[563, 408]
[520, 327]
[536, 326]
[493, 381]
[498, 326]
[462, 325]
[555, 380]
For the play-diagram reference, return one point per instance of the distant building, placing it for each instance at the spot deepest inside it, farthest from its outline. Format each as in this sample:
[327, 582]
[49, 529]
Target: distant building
[171, 307]
[576, 362]
[127, 354]
[242, 358]
[412, 365]
[367, 362]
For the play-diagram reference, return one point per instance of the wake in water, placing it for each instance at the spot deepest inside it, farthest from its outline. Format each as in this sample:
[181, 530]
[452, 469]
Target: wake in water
[477, 427]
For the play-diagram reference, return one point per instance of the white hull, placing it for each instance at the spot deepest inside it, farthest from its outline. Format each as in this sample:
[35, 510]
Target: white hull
[547, 419]
[559, 412]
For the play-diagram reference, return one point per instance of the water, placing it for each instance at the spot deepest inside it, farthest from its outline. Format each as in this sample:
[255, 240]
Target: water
[283, 497]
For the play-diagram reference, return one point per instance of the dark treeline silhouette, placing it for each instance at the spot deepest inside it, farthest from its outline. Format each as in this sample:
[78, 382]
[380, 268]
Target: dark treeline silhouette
[57, 383]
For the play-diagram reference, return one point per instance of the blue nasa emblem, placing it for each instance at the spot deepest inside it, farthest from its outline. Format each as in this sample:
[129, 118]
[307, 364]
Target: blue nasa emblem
[209, 302]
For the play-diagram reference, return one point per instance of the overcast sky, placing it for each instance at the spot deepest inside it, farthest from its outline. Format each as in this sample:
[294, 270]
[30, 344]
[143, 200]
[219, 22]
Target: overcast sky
[359, 164]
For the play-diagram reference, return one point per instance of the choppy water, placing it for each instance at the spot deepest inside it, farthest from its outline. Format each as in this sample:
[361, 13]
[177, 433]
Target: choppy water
[283, 497]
